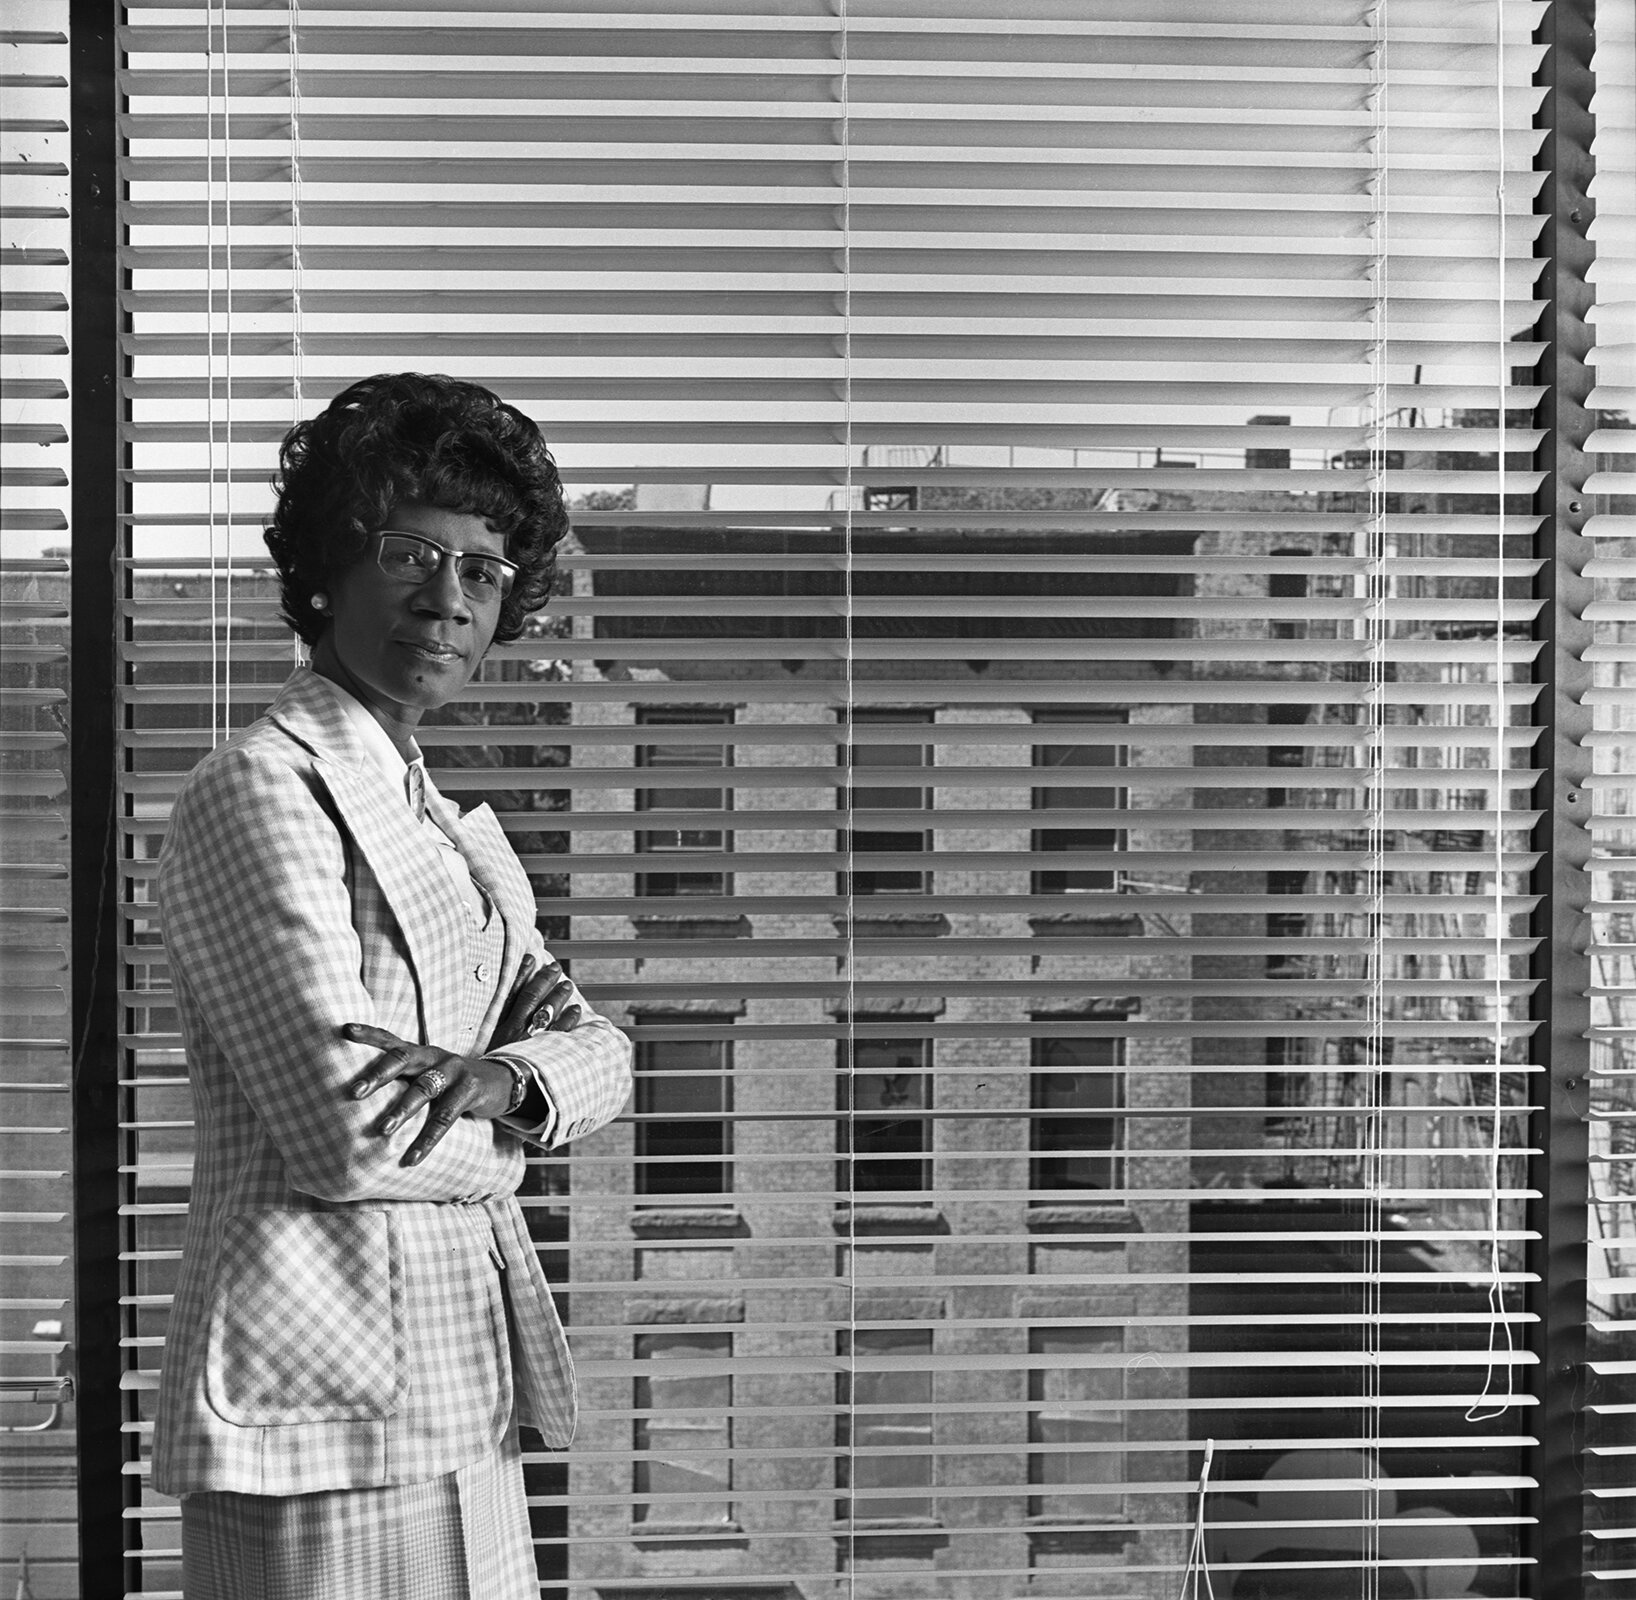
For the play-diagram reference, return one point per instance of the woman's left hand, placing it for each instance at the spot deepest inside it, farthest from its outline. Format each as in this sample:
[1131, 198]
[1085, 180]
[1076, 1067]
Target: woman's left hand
[453, 1086]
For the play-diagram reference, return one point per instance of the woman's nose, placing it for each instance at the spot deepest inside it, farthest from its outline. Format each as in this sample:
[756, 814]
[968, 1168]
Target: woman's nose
[442, 595]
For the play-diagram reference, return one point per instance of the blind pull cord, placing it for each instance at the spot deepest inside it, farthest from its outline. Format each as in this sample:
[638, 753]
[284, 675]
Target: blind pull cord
[221, 551]
[1488, 1403]
[849, 861]
[1196, 1580]
[297, 355]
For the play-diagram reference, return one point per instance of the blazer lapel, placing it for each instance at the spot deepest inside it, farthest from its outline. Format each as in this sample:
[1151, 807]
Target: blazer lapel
[493, 862]
[405, 865]
[416, 887]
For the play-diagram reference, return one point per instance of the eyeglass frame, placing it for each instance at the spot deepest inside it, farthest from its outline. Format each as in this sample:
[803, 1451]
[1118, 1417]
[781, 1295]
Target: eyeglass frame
[444, 555]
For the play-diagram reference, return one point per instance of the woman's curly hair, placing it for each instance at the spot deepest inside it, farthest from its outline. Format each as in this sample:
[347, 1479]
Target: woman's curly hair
[412, 436]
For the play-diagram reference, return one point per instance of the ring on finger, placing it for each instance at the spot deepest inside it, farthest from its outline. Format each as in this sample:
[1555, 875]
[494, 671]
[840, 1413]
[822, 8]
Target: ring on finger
[540, 1018]
[433, 1081]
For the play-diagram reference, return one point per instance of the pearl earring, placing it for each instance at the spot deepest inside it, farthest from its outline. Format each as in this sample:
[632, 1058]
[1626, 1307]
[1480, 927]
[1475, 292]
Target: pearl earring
[320, 602]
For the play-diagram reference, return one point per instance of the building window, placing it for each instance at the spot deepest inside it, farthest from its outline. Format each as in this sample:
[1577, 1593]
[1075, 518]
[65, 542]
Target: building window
[904, 497]
[1285, 1084]
[1076, 1424]
[683, 1468]
[873, 835]
[1291, 924]
[1289, 586]
[884, 1428]
[1284, 755]
[1268, 458]
[886, 1141]
[1077, 1134]
[667, 784]
[684, 1109]
[1085, 786]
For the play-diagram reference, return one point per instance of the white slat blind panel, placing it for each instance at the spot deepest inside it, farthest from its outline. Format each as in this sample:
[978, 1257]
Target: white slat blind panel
[1611, 1461]
[1042, 588]
[37, 1470]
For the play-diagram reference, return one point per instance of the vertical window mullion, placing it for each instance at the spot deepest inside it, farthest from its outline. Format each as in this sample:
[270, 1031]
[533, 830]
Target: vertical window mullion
[1559, 1217]
[101, 1148]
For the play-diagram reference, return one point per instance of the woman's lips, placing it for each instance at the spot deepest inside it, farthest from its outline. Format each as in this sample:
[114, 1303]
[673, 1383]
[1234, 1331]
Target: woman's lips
[429, 650]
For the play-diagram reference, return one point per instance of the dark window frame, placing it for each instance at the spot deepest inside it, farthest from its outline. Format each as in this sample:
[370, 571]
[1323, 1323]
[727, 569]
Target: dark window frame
[678, 883]
[879, 1150]
[1044, 841]
[1060, 1142]
[704, 1139]
[861, 882]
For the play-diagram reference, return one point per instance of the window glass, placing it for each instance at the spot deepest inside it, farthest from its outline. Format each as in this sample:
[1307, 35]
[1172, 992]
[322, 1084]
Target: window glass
[1084, 769]
[888, 1136]
[875, 836]
[683, 1100]
[683, 1468]
[1076, 1420]
[1078, 1133]
[664, 786]
[886, 1426]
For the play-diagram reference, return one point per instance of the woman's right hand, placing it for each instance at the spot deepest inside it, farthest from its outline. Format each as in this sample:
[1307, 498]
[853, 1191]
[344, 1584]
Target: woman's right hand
[545, 995]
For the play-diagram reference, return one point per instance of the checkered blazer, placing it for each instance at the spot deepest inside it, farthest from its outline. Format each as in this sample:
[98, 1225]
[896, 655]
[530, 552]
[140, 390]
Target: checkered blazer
[343, 1320]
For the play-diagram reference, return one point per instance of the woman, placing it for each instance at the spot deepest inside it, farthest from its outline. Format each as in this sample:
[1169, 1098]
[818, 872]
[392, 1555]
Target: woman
[373, 1030]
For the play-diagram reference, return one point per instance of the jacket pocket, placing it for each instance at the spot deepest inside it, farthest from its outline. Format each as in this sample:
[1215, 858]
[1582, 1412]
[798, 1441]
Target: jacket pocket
[307, 1319]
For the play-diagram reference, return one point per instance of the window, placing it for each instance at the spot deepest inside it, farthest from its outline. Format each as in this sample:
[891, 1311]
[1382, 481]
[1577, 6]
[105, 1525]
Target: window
[1290, 924]
[1273, 458]
[1078, 1134]
[1286, 1084]
[663, 787]
[1288, 586]
[884, 1426]
[1076, 1422]
[1280, 715]
[844, 446]
[684, 1431]
[1077, 764]
[886, 1141]
[872, 833]
[683, 1103]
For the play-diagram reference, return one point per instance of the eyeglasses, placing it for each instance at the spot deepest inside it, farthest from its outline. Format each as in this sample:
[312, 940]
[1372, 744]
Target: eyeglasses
[412, 559]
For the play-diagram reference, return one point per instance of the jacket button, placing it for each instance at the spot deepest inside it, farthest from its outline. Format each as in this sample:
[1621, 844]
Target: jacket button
[482, 972]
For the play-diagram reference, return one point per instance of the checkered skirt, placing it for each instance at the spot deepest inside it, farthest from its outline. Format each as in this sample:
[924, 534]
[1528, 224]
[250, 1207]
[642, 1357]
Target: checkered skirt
[463, 1536]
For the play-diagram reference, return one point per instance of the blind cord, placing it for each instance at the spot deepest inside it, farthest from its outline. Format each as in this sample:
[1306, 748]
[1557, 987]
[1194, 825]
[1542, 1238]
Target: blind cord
[1499, 1328]
[221, 564]
[849, 861]
[210, 352]
[1379, 628]
[227, 384]
[297, 354]
[1196, 1580]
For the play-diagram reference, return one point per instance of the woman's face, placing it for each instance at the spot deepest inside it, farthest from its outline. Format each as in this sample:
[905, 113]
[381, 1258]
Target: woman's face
[404, 648]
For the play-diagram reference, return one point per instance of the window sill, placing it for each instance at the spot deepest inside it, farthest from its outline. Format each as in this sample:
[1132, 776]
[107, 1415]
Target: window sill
[1087, 923]
[884, 924]
[863, 1218]
[891, 1538]
[1051, 1536]
[679, 925]
[1081, 1217]
[656, 1530]
[690, 1222]
[889, 1525]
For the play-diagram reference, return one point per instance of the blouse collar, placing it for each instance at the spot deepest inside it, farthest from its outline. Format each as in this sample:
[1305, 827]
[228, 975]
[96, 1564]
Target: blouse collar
[377, 745]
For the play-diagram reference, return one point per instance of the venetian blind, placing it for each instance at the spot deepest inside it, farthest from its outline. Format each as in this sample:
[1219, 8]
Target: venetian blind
[36, 1323]
[1037, 740]
[1611, 497]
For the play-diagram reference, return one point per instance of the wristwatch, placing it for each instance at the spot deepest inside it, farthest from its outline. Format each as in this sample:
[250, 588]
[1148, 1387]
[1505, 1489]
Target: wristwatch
[521, 1082]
